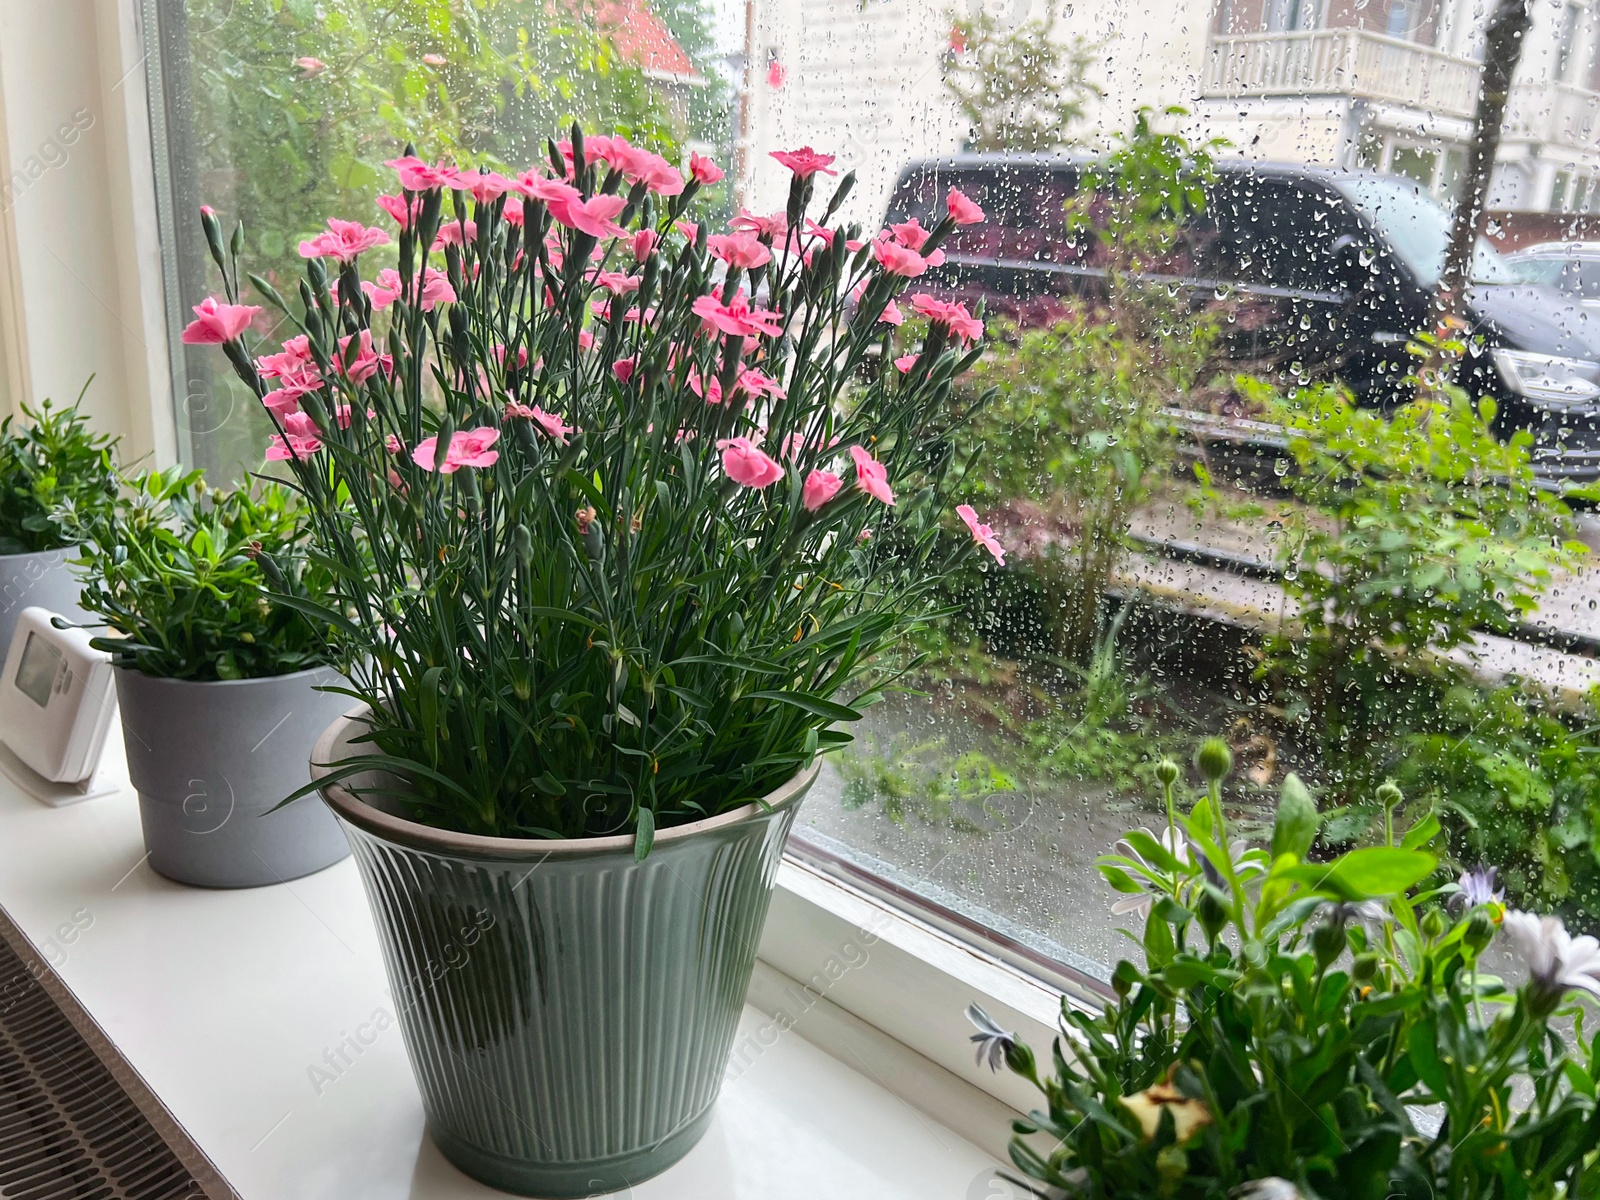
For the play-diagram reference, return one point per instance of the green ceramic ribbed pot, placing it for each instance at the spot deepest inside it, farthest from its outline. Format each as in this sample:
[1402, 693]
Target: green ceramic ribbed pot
[568, 1011]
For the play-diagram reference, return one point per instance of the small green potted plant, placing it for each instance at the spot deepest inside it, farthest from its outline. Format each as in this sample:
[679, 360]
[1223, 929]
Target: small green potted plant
[217, 682]
[48, 461]
[618, 519]
[1302, 1023]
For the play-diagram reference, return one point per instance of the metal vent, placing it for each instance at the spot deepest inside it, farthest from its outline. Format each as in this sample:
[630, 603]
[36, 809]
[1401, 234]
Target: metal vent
[69, 1130]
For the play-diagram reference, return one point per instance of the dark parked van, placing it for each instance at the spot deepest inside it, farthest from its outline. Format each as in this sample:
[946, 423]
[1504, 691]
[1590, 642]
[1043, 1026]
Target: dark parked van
[1329, 269]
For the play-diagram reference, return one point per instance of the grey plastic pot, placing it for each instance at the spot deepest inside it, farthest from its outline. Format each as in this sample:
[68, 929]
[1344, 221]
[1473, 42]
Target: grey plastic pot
[211, 760]
[568, 1011]
[43, 579]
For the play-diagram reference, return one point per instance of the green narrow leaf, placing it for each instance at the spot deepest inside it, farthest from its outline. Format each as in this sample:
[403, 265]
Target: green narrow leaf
[811, 704]
[645, 837]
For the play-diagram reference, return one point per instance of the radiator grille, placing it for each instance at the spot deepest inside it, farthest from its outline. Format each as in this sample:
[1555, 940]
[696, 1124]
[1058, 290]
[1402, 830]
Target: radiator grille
[68, 1129]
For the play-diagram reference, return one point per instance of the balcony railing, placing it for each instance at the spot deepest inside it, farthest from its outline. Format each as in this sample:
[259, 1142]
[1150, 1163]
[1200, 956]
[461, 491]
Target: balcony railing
[1560, 113]
[1342, 62]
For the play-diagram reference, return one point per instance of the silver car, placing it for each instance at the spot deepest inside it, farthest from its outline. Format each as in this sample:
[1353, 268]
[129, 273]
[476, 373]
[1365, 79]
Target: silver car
[1571, 268]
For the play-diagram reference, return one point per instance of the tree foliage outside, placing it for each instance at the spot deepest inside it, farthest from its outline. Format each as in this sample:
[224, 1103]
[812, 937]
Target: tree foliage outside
[297, 105]
[1019, 86]
[1077, 429]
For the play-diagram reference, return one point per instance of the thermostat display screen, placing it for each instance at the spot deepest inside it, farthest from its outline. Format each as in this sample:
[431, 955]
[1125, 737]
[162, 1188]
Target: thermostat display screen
[36, 673]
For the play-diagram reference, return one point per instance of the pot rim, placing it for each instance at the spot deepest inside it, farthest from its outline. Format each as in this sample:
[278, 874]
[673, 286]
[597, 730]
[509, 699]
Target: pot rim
[134, 672]
[6, 558]
[428, 837]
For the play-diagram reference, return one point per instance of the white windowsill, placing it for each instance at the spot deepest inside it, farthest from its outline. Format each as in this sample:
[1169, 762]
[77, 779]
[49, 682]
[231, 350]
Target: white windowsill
[236, 1007]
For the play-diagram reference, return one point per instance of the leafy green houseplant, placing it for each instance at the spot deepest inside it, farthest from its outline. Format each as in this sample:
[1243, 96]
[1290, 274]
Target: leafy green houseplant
[181, 575]
[1305, 1026]
[51, 460]
[51, 463]
[613, 545]
[217, 681]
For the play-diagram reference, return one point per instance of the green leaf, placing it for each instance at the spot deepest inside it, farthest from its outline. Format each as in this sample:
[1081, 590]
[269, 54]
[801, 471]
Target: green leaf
[815, 705]
[1422, 1045]
[1366, 873]
[1152, 851]
[1420, 834]
[645, 836]
[1295, 825]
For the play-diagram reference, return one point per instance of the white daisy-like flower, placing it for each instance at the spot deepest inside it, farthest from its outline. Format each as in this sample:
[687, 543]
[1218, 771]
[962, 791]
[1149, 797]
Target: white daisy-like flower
[992, 1041]
[1271, 1188]
[1557, 961]
[1174, 844]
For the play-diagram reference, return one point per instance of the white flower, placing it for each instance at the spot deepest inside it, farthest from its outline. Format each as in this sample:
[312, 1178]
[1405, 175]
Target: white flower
[1270, 1188]
[1557, 961]
[1174, 844]
[993, 1042]
[1478, 887]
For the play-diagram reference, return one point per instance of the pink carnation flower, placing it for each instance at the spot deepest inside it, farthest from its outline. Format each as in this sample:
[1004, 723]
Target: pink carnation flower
[644, 243]
[344, 240]
[702, 170]
[418, 176]
[455, 233]
[310, 66]
[738, 250]
[623, 369]
[805, 161]
[367, 361]
[897, 259]
[217, 322]
[300, 439]
[639, 165]
[616, 282]
[962, 210]
[757, 383]
[468, 448]
[738, 319]
[820, 487]
[551, 423]
[954, 317]
[295, 357]
[747, 464]
[981, 533]
[558, 197]
[774, 227]
[386, 289]
[596, 216]
[910, 234]
[905, 362]
[395, 206]
[483, 186]
[872, 477]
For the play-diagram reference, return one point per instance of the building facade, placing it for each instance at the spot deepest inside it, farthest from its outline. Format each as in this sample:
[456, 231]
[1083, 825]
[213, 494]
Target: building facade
[1389, 84]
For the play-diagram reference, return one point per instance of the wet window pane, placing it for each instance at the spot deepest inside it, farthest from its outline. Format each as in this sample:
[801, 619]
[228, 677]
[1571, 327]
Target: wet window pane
[1256, 476]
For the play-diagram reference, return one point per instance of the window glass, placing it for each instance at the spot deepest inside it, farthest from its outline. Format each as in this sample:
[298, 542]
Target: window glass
[281, 115]
[1273, 196]
[1417, 229]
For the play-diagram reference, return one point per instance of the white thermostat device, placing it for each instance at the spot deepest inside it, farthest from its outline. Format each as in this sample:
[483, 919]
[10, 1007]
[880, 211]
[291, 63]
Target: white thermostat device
[57, 701]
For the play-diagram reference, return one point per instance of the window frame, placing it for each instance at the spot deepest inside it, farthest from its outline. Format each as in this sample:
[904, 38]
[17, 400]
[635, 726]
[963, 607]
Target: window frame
[111, 192]
[898, 1013]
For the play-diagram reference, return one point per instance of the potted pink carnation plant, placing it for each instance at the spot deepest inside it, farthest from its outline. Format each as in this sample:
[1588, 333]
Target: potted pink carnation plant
[620, 510]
